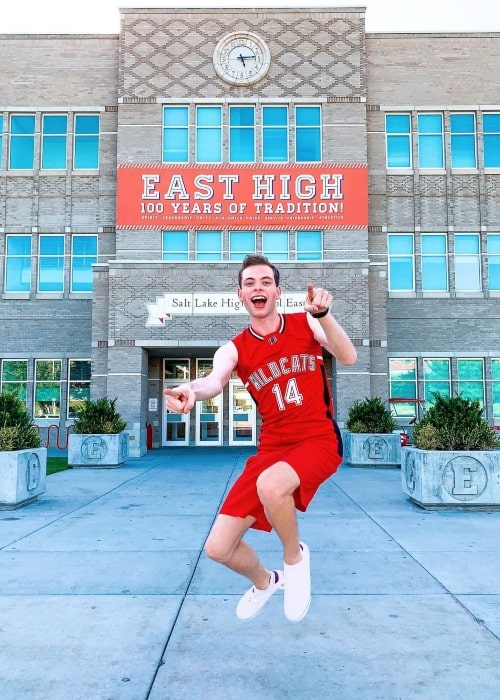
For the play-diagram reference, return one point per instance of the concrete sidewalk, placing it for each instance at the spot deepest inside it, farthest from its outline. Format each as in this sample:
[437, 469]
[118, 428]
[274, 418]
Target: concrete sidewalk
[105, 593]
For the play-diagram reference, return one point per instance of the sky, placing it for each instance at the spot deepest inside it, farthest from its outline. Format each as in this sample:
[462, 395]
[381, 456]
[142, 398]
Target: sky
[102, 16]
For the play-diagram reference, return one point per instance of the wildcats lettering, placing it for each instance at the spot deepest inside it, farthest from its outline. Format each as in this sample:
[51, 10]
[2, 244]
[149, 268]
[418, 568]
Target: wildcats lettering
[294, 364]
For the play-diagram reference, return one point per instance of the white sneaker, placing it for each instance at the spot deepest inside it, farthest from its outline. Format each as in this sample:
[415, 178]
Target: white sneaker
[298, 586]
[252, 602]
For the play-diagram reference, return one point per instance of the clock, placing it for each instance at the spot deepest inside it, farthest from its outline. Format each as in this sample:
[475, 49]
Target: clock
[241, 58]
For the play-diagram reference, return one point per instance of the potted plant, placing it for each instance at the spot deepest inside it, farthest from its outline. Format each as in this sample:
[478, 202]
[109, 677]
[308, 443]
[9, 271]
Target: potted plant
[23, 463]
[370, 439]
[454, 460]
[98, 438]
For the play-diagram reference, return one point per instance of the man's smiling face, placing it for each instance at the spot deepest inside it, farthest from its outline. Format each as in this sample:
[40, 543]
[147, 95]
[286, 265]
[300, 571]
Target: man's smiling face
[258, 290]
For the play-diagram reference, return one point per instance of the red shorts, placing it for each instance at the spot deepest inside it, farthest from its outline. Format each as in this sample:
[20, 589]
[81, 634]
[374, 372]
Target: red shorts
[314, 461]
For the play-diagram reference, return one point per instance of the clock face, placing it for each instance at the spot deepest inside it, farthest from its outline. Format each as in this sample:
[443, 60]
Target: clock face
[241, 58]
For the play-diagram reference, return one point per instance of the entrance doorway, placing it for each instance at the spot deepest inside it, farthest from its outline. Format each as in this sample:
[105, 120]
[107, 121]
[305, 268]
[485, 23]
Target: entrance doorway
[242, 415]
[208, 412]
[175, 426]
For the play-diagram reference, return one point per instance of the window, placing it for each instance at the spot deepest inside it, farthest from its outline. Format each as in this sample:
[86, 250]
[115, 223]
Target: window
[175, 134]
[470, 375]
[307, 134]
[83, 255]
[22, 142]
[47, 389]
[241, 243]
[51, 263]
[78, 385]
[493, 243]
[275, 245]
[208, 134]
[1, 138]
[401, 263]
[15, 377]
[18, 264]
[208, 245]
[398, 143]
[309, 245]
[54, 138]
[436, 376]
[241, 134]
[86, 155]
[274, 134]
[430, 141]
[491, 140]
[434, 263]
[467, 263]
[403, 385]
[495, 389]
[463, 141]
[175, 245]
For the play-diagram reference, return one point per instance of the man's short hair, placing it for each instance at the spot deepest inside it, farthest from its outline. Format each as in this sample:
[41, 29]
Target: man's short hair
[255, 259]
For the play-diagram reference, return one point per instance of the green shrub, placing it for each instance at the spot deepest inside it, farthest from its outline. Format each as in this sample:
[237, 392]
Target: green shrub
[17, 431]
[370, 416]
[98, 417]
[454, 423]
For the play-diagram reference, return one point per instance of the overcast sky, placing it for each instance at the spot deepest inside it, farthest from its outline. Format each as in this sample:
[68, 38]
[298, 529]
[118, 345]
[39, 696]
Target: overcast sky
[102, 16]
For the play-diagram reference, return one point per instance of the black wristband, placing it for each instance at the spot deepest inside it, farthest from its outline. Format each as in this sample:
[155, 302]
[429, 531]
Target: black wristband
[321, 314]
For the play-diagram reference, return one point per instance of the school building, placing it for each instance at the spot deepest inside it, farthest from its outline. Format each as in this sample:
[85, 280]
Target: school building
[138, 169]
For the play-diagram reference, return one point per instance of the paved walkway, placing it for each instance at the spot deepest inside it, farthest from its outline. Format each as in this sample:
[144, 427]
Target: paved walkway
[105, 593]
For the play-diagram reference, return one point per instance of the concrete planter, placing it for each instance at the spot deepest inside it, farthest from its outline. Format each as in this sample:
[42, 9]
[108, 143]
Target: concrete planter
[455, 480]
[22, 476]
[98, 450]
[372, 449]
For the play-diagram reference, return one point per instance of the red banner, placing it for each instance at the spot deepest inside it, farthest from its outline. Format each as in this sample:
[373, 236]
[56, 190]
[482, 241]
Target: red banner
[299, 196]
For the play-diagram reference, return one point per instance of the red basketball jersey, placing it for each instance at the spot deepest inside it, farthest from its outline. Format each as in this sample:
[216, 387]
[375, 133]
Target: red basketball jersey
[285, 374]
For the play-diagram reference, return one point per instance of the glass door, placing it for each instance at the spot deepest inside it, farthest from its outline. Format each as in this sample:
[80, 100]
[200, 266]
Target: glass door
[242, 415]
[175, 426]
[208, 412]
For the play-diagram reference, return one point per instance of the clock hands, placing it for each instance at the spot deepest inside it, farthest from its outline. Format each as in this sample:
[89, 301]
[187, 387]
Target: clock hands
[244, 58]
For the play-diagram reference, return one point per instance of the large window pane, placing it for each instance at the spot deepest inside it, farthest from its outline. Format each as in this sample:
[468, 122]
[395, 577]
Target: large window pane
[175, 245]
[430, 141]
[18, 264]
[78, 385]
[494, 262]
[491, 140]
[308, 134]
[434, 263]
[208, 134]
[467, 263]
[436, 376]
[241, 243]
[403, 385]
[14, 378]
[495, 389]
[275, 245]
[1, 139]
[54, 138]
[274, 134]
[241, 134]
[22, 142]
[86, 142]
[83, 256]
[470, 374]
[51, 264]
[309, 245]
[175, 134]
[401, 263]
[47, 389]
[208, 245]
[463, 141]
[398, 144]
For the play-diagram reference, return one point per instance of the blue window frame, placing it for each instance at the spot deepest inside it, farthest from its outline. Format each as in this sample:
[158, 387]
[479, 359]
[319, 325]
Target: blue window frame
[241, 134]
[308, 134]
[309, 245]
[208, 245]
[493, 245]
[86, 148]
[434, 263]
[54, 141]
[430, 141]
[467, 262]
[401, 263]
[463, 141]
[51, 263]
[274, 134]
[18, 264]
[398, 140]
[175, 134]
[241, 243]
[83, 256]
[491, 140]
[208, 134]
[22, 142]
[175, 245]
[275, 245]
